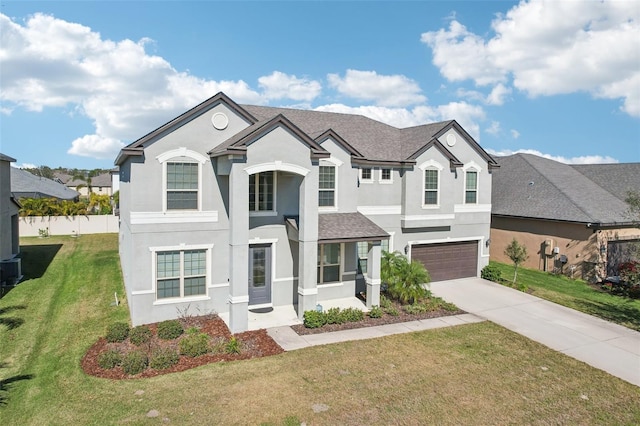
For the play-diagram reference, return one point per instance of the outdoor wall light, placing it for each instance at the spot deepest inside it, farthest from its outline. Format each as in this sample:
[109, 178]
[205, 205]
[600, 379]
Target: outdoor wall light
[488, 242]
[406, 249]
[603, 248]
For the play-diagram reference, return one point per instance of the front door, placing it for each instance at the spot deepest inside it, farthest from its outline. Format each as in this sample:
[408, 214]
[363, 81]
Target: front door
[259, 274]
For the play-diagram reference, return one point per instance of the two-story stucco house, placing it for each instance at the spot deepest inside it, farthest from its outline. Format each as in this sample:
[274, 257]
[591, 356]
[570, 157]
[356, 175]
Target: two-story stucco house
[233, 207]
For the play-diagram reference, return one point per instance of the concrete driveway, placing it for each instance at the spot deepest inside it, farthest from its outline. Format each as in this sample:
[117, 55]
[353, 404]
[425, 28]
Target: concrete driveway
[601, 344]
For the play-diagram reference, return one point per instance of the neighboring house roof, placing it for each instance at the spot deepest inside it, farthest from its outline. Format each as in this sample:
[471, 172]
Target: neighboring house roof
[102, 180]
[367, 140]
[6, 158]
[25, 184]
[529, 186]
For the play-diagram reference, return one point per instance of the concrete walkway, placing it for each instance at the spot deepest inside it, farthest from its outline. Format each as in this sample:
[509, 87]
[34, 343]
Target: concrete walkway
[601, 344]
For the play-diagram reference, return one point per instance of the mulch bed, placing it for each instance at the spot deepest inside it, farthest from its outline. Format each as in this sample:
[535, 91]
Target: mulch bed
[370, 322]
[253, 344]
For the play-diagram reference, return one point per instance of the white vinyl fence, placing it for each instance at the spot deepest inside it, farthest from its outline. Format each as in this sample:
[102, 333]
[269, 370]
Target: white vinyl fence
[34, 226]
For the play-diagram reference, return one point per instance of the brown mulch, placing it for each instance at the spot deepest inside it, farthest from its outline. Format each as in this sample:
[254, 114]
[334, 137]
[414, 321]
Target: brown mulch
[370, 322]
[253, 344]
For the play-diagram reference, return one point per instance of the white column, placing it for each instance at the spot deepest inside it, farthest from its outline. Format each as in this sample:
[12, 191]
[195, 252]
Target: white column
[372, 277]
[308, 244]
[238, 247]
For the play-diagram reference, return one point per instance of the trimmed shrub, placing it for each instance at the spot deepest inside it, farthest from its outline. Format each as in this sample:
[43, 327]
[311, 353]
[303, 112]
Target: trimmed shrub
[416, 308]
[117, 332]
[376, 312]
[194, 345]
[334, 316]
[232, 346]
[134, 362]
[109, 359]
[405, 280]
[163, 358]
[385, 303]
[314, 319]
[170, 329]
[139, 335]
[393, 311]
[352, 315]
[491, 273]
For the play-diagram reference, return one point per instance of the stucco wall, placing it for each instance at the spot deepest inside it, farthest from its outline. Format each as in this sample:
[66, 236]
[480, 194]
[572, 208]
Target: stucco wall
[579, 243]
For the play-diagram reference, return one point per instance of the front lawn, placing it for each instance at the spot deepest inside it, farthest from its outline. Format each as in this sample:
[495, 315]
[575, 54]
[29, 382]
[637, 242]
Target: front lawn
[471, 374]
[575, 294]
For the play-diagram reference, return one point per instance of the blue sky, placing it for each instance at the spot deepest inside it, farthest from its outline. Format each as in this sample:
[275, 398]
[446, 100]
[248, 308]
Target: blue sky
[79, 80]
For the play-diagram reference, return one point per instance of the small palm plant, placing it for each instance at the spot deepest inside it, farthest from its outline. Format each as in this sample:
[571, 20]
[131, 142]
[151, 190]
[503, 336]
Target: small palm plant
[405, 280]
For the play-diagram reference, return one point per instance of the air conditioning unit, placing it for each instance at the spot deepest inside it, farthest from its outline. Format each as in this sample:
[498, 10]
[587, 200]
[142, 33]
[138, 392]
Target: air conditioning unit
[11, 271]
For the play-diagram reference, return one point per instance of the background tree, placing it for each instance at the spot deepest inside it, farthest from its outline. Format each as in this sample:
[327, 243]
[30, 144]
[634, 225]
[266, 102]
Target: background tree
[518, 254]
[633, 213]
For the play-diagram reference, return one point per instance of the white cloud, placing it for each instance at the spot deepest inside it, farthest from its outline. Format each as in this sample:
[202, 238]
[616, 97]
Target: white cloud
[515, 134]
[96, 147]
[494, 129]
[126, 92]
[24, 166]
[583, 159]
[498, 94]
[465, 114]
[550, 48]
[279, 85]
[383, 90]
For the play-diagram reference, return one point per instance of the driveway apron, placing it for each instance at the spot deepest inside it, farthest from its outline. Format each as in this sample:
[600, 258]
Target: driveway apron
[599, 343]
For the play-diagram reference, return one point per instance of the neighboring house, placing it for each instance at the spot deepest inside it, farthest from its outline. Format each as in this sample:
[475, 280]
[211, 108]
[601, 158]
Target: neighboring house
[100, 184]
[28, 185]
[571, 218]
[10, 267]
[115, 180]
[231, 207]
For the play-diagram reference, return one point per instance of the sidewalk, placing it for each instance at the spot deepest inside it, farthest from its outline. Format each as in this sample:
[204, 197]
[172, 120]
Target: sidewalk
[289, 340]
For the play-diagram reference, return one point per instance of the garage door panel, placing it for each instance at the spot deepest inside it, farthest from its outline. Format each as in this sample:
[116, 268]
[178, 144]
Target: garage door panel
[447, 261]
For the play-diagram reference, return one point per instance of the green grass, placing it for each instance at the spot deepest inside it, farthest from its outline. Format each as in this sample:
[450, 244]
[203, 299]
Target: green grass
[576, 294]
[472, 374]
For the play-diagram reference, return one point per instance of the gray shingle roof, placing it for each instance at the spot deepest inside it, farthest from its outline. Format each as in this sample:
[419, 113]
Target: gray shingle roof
[340, 227]
[373, 139]
[530, 186]
[618, 179]
[25, 184]
[6, 158]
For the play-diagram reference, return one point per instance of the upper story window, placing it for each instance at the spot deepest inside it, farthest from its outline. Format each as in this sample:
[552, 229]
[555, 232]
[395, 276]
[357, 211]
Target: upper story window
[385, 175]
[366, 174]
[327, 186]
[262, 192]
[431, 183]
[471, 187]
[182, 179]
[431, 186]
[182, 186]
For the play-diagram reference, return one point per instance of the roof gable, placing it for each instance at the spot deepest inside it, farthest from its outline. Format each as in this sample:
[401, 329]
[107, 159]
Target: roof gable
[136, 147]
[238, 144]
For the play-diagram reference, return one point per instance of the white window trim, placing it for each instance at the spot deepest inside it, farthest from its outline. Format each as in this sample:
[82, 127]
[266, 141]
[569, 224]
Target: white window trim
[363, 180]
[431, 165]
[341, 273]
[471, 167]
[176, 154]
[332, 161]
[385, 181]
[274, 212]
[182, 247]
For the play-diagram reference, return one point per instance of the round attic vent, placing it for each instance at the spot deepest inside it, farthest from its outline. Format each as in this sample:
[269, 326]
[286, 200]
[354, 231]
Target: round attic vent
[219, 121]
[451, 139]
